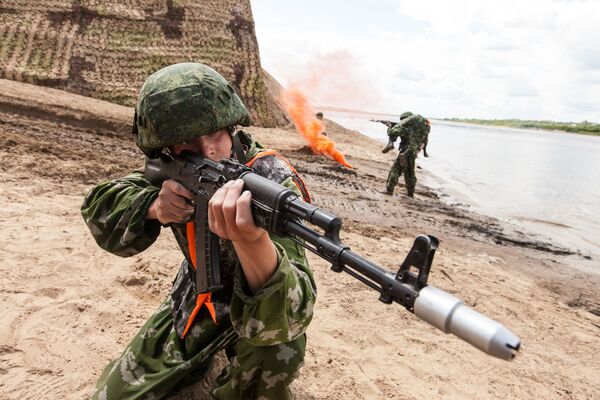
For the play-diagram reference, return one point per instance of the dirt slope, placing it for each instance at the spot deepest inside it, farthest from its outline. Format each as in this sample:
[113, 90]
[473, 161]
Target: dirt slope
[69, 307]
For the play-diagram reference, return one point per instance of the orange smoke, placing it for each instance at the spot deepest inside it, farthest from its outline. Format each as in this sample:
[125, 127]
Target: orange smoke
[311, 128]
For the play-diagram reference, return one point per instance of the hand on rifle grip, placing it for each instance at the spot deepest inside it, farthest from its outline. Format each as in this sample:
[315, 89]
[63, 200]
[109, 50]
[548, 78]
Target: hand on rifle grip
[172, 204]
[230, 216]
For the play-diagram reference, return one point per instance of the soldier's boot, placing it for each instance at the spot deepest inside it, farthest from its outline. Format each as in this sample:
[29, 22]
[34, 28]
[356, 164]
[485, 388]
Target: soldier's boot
[387, 191]
[410, 193]
[389, 146]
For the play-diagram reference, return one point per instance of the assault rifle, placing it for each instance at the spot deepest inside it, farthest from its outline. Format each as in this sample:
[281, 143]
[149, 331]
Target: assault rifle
[280, 211]
[389, 124]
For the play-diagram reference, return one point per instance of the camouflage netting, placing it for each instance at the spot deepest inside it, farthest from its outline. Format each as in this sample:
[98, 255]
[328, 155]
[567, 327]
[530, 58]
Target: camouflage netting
[106, 48]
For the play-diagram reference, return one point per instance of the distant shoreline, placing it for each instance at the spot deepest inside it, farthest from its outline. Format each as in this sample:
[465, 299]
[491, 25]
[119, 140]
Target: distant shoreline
[581, 128]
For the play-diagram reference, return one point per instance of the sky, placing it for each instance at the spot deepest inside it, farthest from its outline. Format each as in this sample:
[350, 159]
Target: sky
[526, 59]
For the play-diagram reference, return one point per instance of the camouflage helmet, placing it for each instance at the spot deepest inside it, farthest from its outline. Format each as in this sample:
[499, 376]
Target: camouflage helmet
[183, 101]
[405, 114]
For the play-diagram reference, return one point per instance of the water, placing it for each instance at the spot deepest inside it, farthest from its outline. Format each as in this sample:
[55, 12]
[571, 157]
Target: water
[545, 182]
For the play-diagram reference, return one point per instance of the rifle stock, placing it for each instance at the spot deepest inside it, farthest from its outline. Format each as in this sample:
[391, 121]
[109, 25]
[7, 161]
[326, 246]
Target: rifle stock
[280, 211]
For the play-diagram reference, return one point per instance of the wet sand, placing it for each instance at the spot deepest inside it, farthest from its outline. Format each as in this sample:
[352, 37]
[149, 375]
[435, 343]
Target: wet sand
[69, 307]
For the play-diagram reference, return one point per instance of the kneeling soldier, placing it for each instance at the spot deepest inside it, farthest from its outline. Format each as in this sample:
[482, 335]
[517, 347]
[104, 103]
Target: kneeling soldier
[261, 314]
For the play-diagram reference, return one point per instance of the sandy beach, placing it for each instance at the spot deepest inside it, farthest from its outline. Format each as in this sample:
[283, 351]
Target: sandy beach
[68, 307]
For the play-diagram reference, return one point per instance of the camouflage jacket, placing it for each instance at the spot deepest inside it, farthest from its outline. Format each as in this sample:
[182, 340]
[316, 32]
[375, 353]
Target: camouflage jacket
[413, 131]
[279, 312]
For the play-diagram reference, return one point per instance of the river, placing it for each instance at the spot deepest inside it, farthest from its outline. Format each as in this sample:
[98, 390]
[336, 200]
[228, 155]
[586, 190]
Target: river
[545, 182]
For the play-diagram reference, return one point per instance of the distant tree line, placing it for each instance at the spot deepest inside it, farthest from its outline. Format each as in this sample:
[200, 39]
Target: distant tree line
[584, 127]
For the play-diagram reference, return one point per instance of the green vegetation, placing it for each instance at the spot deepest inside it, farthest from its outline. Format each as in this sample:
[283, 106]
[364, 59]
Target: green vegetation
[585, 127]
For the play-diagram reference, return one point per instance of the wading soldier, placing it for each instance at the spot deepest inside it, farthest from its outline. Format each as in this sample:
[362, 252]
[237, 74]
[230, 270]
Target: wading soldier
[261, 314]
[413, 131]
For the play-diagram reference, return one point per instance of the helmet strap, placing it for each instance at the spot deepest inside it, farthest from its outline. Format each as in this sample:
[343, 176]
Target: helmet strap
[134, 129]
[238, 149]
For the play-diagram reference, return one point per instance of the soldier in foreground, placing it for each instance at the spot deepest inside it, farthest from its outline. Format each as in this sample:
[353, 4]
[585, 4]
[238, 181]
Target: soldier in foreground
[261, 314]
[413, 131]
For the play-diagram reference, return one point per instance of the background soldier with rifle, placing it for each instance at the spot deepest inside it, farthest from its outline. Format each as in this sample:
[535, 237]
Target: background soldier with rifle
[413, 131]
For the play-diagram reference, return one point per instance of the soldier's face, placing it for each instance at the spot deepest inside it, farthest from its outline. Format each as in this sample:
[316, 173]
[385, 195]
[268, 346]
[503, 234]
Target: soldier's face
[215, 146]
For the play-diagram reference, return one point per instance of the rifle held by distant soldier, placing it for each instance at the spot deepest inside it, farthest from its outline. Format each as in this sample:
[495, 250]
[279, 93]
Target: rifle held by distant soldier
[389, 124]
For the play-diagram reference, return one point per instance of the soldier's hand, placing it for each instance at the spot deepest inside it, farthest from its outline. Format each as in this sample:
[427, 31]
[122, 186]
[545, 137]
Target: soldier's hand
[172, 204]
[387, 148]
[230, 217]
[229, 214]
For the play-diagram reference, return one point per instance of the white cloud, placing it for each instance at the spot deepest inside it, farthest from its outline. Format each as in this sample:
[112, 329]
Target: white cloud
[536, 59]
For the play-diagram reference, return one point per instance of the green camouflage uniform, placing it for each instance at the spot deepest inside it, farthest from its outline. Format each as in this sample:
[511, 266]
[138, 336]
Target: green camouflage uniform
[264, 333]
[413, 131]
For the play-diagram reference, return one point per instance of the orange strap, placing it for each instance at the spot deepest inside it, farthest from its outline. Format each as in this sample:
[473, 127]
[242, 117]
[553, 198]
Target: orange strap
[260, 155]
[204, 298]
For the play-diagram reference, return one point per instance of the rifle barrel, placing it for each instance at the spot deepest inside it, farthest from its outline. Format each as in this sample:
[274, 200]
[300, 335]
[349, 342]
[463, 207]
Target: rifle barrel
[434, 306]
[450, 315]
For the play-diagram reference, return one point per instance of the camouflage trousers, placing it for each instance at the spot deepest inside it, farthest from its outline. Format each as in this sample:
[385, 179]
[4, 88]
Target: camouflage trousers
[404, 164]
[157, 360]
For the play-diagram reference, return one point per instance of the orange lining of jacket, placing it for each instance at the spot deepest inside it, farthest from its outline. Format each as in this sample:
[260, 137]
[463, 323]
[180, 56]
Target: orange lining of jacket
[205, 298]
